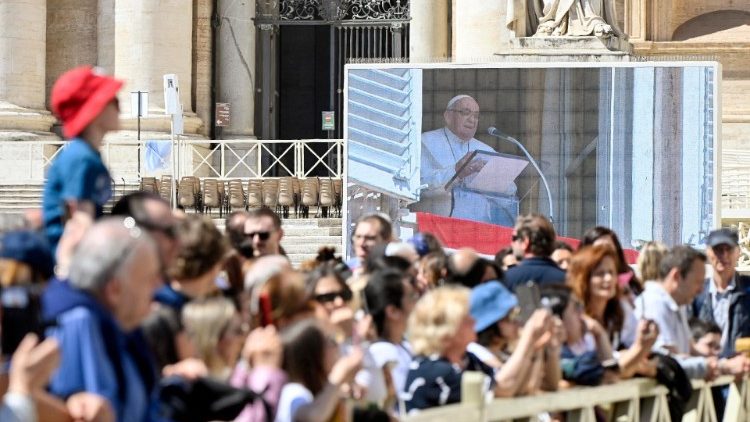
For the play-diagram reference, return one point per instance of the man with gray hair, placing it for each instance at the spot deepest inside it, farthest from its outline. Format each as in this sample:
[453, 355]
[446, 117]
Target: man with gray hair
[444, 153]
[112, 278]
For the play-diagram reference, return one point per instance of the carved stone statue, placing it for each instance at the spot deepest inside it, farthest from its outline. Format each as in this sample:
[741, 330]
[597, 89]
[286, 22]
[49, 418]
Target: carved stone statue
[556, 18]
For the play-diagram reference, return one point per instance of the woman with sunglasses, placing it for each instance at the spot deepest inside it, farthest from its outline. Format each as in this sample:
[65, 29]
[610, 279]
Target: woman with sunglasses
[536, 353]
[332, 298]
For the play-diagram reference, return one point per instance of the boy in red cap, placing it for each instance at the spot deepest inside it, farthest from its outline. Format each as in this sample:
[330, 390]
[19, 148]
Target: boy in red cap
[78, 181]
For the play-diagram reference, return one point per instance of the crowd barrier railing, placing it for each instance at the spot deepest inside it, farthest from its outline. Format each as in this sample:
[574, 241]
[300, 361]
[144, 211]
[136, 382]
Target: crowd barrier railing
[28, 161]
[634, 400]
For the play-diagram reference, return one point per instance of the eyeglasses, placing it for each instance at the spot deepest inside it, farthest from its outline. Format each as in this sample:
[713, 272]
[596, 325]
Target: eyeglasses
[261, 235]
[466, 112]
[345, 295]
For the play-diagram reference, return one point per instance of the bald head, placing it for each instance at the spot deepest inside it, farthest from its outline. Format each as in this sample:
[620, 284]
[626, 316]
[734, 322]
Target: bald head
[462, 260]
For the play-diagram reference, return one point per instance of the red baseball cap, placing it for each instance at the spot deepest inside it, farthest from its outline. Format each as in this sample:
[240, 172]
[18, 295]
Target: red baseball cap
[79, 95]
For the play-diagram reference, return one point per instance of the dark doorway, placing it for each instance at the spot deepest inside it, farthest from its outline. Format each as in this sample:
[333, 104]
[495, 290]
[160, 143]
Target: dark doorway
[304, 80]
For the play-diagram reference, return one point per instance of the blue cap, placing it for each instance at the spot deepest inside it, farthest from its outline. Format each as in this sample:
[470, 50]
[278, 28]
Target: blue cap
[420, 244]
[30, 248]
[490, 302]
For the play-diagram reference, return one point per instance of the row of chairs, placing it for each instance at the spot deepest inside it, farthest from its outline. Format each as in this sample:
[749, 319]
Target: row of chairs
[281, 194]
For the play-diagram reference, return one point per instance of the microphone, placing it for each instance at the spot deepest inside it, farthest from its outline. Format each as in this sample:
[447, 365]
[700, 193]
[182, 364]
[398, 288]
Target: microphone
[493, 131]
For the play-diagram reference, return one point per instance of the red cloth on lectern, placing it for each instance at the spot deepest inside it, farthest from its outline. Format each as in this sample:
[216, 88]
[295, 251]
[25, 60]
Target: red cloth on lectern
[483, 237]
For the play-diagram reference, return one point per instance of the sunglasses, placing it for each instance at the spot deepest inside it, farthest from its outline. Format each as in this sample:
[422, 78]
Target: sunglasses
[345, 295]
[261, 235]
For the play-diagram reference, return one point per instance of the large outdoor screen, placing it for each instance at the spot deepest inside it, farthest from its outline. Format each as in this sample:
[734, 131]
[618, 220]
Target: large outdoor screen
[630, 146]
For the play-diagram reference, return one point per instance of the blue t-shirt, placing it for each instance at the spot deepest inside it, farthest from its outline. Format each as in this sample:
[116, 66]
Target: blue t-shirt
[85, 366]
[77, 174]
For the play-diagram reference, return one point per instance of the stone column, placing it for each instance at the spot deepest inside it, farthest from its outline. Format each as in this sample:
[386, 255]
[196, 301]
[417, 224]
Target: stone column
[477, 28]
[22, 69]
[151, 39]
[236, 80]
[203, 66]
[71, 37]
[236, 56]
[429, 30]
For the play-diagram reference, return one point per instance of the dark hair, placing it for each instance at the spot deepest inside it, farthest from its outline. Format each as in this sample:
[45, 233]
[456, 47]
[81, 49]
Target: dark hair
[598, 232]
[326, 269]
[699, 328]
[559, 244]
[304, 345]
[202, 246]
[557, 297]
[540, 232]
[265, 212]
[501, 254]
[236, 234]
[385, 227]
[680, 257]
[489, 335]
[383, 288]
[469, 277]
[132, 205]
[377, 260]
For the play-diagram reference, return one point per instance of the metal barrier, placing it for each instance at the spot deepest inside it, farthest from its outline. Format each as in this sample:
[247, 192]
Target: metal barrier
[627, 401]
[28, 161]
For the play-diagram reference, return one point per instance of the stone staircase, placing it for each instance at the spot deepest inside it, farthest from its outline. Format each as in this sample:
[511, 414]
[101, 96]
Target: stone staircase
[302, 236]
[15, 199]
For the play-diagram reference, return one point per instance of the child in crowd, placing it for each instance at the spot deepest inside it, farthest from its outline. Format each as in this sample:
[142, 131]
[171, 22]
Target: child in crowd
[86, 103]
[706, 337]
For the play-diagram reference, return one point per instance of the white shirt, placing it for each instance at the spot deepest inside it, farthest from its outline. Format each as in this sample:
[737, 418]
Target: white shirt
[385, 352]
[441, 150]
[371, 377]
[720, 307]
[657, 305]
[293, 396]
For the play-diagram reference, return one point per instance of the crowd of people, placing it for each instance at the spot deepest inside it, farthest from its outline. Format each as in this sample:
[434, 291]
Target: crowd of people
[151, 314]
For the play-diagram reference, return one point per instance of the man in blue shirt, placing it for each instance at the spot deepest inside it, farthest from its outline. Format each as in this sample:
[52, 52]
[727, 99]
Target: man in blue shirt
[78, 181]
[113, 276]
[534, 240]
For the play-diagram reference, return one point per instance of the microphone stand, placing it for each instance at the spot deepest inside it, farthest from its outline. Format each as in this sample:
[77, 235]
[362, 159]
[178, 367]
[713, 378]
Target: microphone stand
[496, 133]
